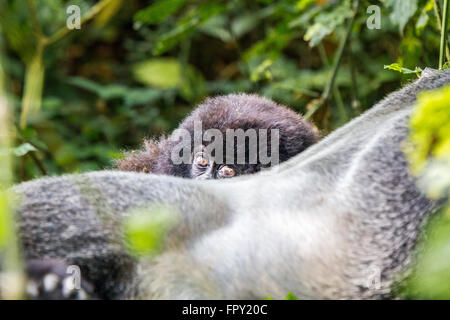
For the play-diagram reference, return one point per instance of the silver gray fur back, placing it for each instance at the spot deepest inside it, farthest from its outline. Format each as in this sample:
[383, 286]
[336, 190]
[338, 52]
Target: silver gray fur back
[339, 220]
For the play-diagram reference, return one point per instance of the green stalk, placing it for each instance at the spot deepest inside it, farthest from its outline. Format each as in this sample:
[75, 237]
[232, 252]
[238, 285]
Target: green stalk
[12, 279]
[337, 62]
[443, 34]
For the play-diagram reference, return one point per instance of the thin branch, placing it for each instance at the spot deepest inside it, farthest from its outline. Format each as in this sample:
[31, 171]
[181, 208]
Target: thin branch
[38, 163]
[96, 9]
[34, 19]
[337, 62]
[356, 104]
[336, 92]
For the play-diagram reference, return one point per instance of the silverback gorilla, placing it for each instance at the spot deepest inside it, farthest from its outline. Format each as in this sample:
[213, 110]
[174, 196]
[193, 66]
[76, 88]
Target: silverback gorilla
[225, 113]
[317, 227]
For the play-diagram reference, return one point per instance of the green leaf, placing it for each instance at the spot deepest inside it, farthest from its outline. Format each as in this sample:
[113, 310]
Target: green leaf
[159, 11]
[158, 72]
[431, 274]
[186, 25]
[430, 130]
[23, 149]
[422, 21]
[326, 23]
[397, 67]
[217, 27]
[130, 96]
[145, 230]
[193, 84]
[402, 12]
[291, 296]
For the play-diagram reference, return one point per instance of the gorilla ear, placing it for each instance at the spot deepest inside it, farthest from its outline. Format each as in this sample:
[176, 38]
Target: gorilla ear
[144, 160]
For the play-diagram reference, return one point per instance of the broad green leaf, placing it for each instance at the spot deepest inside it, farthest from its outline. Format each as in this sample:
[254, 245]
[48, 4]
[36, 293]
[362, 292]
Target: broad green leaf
[402, 12]
[217, 27]
[430, 129]
[193, 84]
[188, 24]
[326, 23]
[262, 71]
[422, 21]
[23, 149]
[431, 276]
[159, 11]
[303, 4]
[130, 96]
[145, 230]
[158, 72]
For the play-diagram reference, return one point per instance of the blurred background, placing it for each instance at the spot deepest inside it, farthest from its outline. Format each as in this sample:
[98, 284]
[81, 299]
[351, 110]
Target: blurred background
[86, 80]
[134, 69]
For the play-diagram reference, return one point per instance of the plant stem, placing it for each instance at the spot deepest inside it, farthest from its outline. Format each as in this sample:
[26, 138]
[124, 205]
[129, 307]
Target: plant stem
[34, 19]
[439, 25]
[443, 34]
[337, 62]
[96, 9]
[12, 279]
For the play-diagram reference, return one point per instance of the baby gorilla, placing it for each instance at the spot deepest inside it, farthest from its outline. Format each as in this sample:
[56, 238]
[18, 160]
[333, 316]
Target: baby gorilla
[224, 114]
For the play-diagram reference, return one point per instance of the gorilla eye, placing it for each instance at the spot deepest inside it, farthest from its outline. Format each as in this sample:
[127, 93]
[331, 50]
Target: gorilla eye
[201, 161]
[226, 172]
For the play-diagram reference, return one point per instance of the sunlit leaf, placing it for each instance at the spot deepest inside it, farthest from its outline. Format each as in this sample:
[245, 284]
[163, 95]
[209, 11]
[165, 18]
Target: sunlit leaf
[23, 149]
[145, 230]
[158, 72]
[397, 67]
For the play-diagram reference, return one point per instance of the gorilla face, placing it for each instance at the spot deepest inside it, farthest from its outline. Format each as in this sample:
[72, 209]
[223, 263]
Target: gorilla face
[203, 168]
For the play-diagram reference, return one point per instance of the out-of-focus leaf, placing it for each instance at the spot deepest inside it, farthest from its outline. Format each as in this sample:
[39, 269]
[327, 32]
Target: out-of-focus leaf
[291, 296]
[193, 84]
[271, 46]
[23, 149]
[431, 276]
[159, 11]
[430, 129]
[262, 71]
[108, 92]
[246, 22]
[303, 4]
[304, 19]
[145, 230]
[108, 12]
[217, 27]
[186, 25]
[34, 81]
[130, 96]
[158, 72]
[422, 21]
[326, 23]
[141, 96]
[402, 12]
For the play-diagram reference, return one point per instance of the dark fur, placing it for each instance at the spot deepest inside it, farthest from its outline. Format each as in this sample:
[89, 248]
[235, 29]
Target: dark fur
[234, 111]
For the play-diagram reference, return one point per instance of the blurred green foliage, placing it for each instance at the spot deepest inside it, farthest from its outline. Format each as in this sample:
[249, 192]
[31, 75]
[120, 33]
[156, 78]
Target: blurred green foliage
[429, 154]
[135, 69]
[82, 96]
[145, 230]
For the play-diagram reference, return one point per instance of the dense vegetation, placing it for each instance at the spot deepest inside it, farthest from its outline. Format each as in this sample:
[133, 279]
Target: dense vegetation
[79, 97]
